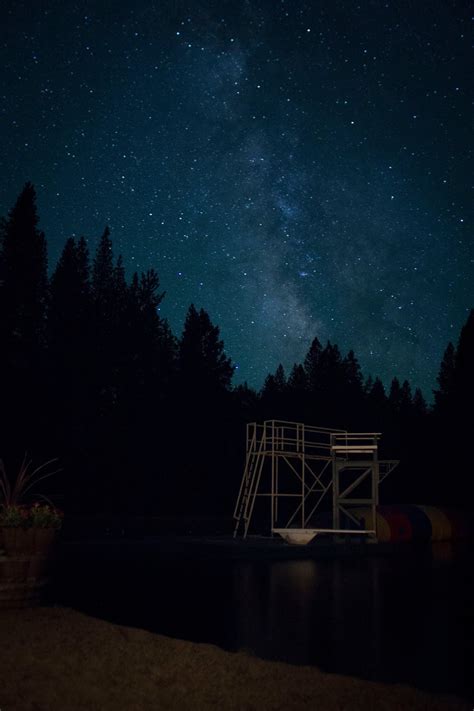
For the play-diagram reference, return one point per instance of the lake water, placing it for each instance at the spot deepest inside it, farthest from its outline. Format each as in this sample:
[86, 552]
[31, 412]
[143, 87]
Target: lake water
[405, 617]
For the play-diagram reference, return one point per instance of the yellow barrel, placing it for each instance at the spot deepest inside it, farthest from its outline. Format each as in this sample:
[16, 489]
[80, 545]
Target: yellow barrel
[364, 515]
[441, 529]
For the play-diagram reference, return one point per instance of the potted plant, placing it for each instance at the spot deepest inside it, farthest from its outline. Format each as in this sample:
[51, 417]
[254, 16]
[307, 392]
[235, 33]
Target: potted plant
[29, 529]
[27, 532]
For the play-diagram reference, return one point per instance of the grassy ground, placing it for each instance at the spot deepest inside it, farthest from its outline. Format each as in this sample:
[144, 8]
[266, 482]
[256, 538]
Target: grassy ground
[56, 659]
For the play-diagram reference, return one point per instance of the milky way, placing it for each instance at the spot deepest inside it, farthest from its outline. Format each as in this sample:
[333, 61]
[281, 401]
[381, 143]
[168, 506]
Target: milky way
[297, 169]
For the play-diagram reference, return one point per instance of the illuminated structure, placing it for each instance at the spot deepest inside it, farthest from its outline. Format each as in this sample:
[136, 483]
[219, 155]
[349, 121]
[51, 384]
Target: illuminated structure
[297, 468]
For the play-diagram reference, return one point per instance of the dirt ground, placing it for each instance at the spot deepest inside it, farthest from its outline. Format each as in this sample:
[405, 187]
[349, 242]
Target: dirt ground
[56, 659]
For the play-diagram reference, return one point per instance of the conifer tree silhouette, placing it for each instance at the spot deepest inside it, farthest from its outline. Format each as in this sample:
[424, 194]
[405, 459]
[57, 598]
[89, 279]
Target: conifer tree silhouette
[446, 380]
[103, 274]
[377, 405]
[406, 400]
[456, 375]
[464, 366]
[297, 380]
[297, 393]
[203, 362]
[351, 391]
[109, 311]
[420, 408]
[352, 373]
[273, 394]
[452, 426]
[70, 302]
[23, 303]
[312, 365]
[23, 282]
[377, 397]
[395, 396]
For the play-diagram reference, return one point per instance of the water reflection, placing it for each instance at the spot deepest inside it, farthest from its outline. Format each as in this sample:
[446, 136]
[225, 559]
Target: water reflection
[399, 618]
[290, 602]
[304, 610]
[443, 552]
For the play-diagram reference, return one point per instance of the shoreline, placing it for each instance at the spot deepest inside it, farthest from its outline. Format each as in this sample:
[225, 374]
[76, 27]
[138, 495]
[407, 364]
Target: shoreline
[252, 549]
[52, 659]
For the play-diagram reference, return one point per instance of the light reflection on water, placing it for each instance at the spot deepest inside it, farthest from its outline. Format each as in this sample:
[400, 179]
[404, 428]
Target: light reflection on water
[293, 607]
[399, 618]
[443, 551]
[273, 608]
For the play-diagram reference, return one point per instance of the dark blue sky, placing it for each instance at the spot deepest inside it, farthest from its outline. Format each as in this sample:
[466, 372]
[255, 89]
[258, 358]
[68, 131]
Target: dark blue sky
[295, 168]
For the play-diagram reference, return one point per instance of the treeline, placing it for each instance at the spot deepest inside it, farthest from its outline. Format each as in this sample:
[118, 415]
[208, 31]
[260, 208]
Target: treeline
[143, 421]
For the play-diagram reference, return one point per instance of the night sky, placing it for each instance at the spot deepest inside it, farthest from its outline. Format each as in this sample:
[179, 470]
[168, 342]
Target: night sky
[298, 169]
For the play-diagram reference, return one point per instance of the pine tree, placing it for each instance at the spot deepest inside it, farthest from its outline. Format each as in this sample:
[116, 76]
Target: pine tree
[202, 360]
[119, 285]
[110, 296]
[280, 378]
[446, 380]
[69, 310]
[83, 265]
[273, 388]
[312, 365]
[368, 385]
[204, 400]
[419, 403]
[152, 343]
[331, 360]
[71, 362]
[377, 398]
[464, 364]
[247, 400]
[269, 387]
[110, 310]
[23, 282]
[352, 373]
[331, 375]
[297, 380]
[23, 303]
[103, 273]
[394, 397]
[406, 400]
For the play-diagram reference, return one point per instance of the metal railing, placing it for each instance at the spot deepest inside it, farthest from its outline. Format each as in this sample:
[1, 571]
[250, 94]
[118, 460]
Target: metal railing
[286, 437]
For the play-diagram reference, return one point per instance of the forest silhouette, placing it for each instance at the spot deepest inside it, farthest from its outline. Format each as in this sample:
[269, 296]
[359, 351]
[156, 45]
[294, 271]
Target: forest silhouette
[147, 423]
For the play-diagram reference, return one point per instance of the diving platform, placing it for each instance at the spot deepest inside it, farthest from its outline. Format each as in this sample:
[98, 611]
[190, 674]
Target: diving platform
[302, 481]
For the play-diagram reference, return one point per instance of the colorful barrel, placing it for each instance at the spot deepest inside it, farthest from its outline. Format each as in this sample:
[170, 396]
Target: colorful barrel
[420, 523]
[441, 529]
[409, 522]
[461, 525]
[405, 523]
[364, 516]
[401, 529]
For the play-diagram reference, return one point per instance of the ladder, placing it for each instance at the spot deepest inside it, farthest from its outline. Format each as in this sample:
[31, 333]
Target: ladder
[250, 481]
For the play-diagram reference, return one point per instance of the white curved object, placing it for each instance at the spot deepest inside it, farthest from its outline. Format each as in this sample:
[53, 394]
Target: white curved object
[296, 536]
